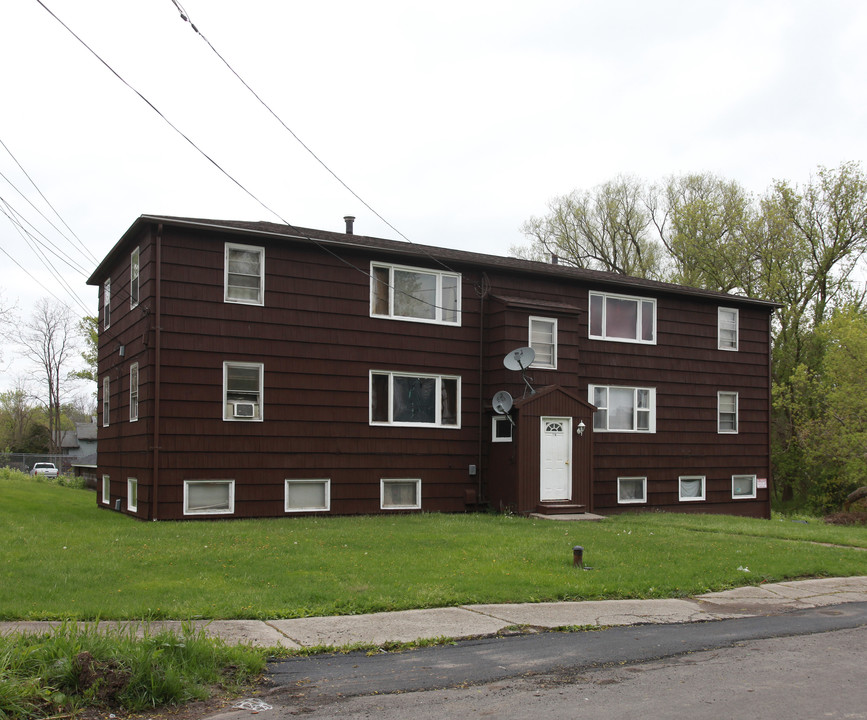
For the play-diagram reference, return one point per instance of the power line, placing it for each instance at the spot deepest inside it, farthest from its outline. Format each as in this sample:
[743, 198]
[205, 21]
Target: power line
[186, 18]
[47, 202]
[236, 182]
[13, 217]
[54, 249]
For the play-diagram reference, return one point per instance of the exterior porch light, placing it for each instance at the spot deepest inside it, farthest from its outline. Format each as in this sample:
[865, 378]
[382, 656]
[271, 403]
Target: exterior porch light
[580, 428]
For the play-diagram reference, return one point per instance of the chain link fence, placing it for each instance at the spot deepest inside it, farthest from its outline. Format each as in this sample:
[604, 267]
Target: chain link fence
[25, 461]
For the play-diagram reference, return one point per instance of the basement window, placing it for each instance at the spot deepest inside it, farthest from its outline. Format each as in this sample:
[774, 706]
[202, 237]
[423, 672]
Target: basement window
[209, 497]
[690, 488]
[132, 494]
[106, 490]
[308, 495]
[631, 490]
[400, 494]
[743, 487]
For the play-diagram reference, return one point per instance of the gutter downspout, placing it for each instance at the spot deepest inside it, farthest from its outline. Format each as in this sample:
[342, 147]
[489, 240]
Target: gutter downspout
[157, 361]
[483, 292]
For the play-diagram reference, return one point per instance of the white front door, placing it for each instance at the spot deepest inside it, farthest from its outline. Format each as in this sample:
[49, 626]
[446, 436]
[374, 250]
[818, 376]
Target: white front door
[556, 455]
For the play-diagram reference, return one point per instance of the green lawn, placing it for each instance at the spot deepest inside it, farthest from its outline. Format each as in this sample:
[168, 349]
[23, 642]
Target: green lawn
[62, 557]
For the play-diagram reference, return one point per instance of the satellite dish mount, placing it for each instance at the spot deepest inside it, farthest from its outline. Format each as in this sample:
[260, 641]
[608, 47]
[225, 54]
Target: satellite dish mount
[502, 403]
[521, 359]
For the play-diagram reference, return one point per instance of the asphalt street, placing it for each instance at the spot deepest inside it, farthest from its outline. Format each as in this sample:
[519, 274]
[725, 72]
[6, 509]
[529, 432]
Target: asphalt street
[305, 684]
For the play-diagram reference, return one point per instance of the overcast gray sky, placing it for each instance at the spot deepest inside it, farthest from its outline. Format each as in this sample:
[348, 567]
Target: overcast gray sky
[455, 121]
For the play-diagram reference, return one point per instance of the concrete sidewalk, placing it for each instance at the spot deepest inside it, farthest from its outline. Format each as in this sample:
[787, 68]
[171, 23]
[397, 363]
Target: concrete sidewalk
[474, 620]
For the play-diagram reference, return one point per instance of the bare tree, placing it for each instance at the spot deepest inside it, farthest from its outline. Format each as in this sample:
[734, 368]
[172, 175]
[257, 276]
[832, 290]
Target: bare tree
[48, 339]
[607, 228]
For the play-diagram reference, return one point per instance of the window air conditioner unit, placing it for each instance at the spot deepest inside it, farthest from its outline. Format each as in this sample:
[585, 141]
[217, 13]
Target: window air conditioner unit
[244, 409]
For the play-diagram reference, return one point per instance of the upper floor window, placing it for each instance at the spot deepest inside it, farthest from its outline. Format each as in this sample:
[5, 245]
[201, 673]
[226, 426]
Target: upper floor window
[244, 274]
[403, 399]
[622, 318]
[727, 412]
[623, 409]
[727, 328]
[106, 402]
[406, 293]
[106, 304]
[133, 278]
[242, 390]
[543, 339]
[133, 392]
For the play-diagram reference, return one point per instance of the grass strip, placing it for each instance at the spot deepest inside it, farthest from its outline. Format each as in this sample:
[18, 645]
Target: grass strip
[129, 668]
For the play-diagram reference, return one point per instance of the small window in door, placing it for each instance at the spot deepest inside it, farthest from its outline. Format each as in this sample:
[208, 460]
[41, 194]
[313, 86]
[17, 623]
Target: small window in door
[554, 427]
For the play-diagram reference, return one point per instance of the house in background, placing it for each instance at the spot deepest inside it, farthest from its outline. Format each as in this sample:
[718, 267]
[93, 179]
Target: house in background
[79, 442]
[250, 369]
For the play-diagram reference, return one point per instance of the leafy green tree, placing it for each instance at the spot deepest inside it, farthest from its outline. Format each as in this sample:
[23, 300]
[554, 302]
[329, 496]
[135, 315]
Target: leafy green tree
[16, 414]
[88, 331]
[828, 407]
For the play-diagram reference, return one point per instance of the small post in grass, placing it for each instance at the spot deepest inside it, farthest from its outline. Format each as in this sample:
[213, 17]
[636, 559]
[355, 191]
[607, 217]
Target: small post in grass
[578, 556]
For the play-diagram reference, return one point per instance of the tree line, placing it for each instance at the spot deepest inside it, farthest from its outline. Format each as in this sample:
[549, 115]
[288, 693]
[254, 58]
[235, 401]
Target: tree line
[797, 245]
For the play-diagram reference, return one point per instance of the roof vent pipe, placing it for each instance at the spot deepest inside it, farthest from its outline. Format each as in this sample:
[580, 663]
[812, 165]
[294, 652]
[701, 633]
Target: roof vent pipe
[349, 219]
[554, 259]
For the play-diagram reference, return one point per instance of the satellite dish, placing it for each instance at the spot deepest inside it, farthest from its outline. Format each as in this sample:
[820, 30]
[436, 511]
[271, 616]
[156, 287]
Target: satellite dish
[502, 402]
[519, 359]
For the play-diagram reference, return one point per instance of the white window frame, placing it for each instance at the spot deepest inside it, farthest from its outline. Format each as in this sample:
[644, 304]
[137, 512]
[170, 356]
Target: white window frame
[228, 406]
[723, 324]
[133, 392]
[537, 363]
[106, 401]
[438, 423]
[260, 299]
[691, 478]
[741, 496]
[386, 481]
[640, 501]
[605, 297]
[441, 313]
[106, 304]
[651, 411]
[719, 413]
[497, 420]
[106, 490]
[230, 510]
[134, 273]
[132, 490]
[312, 481]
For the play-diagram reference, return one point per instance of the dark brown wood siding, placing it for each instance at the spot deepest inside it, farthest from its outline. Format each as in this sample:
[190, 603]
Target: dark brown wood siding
[318, 343]
[687, 371]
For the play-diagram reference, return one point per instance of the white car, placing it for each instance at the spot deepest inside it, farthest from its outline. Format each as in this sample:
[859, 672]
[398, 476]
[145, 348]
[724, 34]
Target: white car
[45, 469]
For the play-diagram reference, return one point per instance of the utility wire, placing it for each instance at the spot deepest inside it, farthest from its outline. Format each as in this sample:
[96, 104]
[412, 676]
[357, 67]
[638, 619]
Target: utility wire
[236, 182]
[185, 16]
[34, 245]
[47, 202]
[33, 278]
[54, 249]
